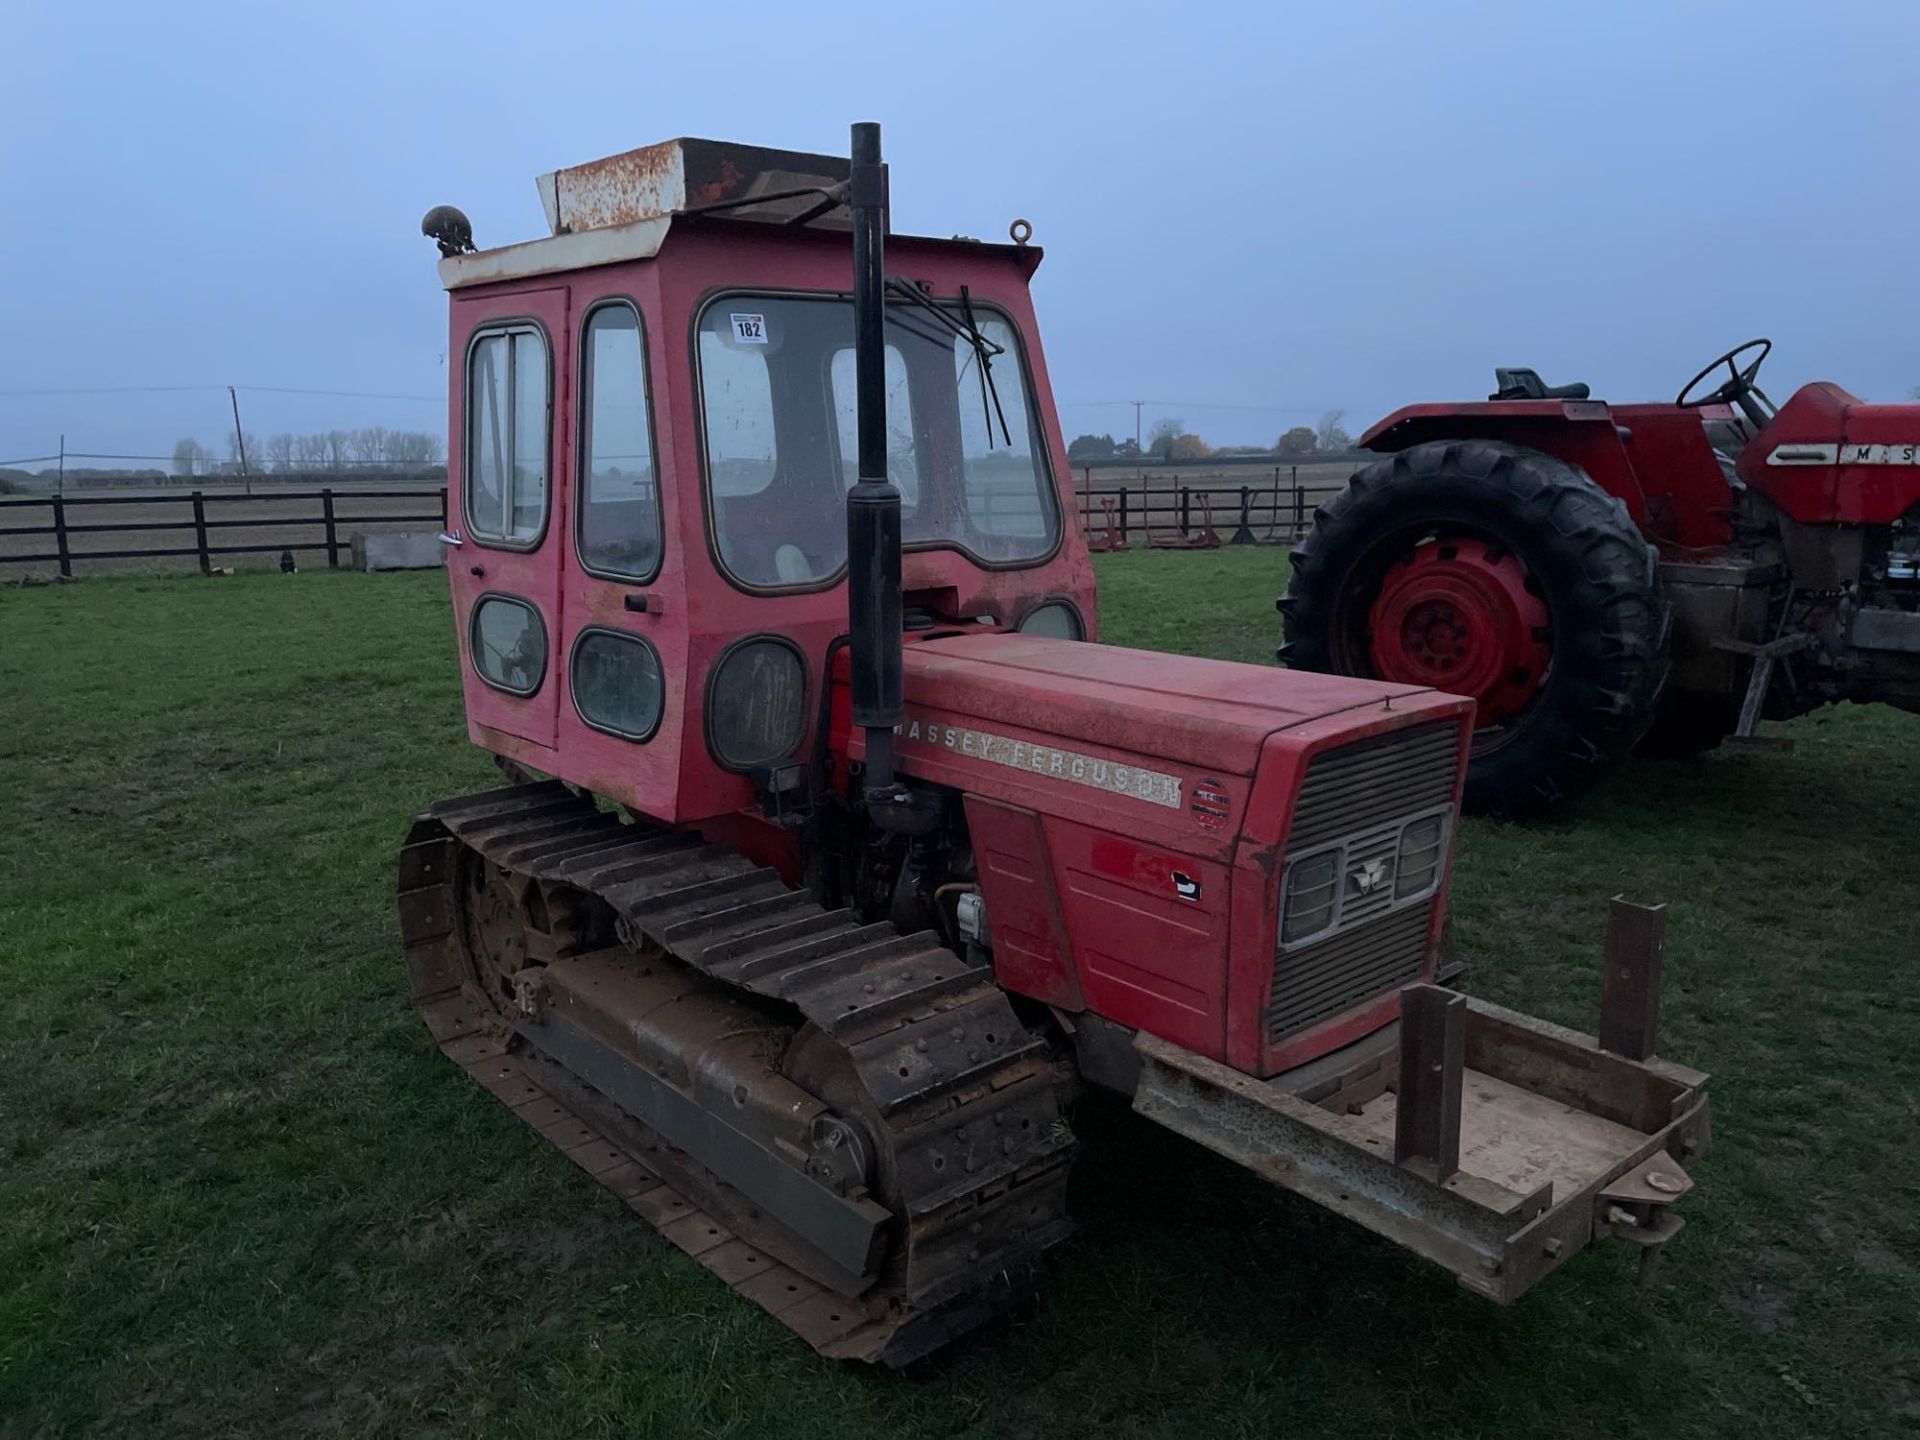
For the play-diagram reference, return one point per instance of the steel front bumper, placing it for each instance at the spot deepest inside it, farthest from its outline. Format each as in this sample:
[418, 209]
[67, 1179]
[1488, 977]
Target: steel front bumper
[1494, 1144]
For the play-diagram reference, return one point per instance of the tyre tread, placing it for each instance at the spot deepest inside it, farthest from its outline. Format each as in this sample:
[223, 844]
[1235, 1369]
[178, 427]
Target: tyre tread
[1602, 577]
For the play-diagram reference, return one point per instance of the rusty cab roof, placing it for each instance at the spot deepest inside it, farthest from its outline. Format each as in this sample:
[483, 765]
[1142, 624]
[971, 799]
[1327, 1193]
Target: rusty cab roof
[621, 209]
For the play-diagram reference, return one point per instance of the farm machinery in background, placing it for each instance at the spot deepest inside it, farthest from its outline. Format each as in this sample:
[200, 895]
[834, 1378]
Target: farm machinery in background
[1603, 577]
[859, 856]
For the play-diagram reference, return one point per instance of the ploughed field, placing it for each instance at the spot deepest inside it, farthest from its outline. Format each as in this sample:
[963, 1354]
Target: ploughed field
[241, 1195]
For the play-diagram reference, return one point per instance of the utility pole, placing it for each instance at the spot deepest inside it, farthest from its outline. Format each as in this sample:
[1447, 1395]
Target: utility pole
[240, 440]
[61, 484]
[1136, 428]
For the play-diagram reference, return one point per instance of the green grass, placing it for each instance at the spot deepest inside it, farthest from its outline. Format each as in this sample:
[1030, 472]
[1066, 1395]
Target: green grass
[241, 1195]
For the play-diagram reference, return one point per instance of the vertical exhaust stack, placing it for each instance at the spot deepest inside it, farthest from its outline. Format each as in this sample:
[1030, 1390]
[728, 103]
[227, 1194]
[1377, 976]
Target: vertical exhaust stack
[873, 505]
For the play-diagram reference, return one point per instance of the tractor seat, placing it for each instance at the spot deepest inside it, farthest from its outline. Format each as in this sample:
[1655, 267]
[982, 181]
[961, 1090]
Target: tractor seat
[790, 563]
[1522, 384]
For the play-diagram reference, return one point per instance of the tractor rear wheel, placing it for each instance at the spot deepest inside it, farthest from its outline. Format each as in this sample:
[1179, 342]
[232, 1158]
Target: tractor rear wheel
[1498, 572]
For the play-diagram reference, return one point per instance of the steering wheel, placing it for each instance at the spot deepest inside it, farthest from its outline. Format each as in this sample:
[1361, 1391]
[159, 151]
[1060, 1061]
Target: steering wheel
[1738, 388]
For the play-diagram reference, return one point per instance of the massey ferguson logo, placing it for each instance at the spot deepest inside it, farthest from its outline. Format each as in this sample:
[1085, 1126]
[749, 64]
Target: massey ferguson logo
[1369, 875]
[1836, 454]
[1133, 781]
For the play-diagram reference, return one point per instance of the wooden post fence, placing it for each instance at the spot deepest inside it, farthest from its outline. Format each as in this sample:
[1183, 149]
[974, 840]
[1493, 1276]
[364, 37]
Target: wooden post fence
[333, 539]
[200, 532]
[60, 535]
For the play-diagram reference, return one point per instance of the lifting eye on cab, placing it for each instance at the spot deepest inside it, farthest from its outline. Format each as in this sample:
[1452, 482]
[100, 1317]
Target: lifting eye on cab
[756, 702]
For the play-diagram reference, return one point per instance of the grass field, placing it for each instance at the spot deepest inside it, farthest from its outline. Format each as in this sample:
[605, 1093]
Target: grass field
[240, 1195]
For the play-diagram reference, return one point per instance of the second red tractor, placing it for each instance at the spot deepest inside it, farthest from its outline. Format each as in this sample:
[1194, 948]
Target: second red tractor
[1604, 577]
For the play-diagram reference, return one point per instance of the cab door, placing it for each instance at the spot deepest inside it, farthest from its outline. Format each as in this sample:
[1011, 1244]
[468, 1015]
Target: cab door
[505, 456]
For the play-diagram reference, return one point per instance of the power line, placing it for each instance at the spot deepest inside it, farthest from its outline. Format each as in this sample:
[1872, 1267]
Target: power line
[180, 389]
[340, 394]
[114, 390]
[1195, 405]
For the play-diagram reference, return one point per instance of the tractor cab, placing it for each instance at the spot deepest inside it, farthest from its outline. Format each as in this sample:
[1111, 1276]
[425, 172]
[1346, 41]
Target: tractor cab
[653, 440]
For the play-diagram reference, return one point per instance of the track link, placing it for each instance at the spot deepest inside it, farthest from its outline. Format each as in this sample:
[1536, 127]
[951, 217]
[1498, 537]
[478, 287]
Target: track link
[960, 1096]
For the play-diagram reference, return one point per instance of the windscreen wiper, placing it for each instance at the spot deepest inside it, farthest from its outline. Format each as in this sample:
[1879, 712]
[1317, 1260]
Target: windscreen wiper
[969, 330]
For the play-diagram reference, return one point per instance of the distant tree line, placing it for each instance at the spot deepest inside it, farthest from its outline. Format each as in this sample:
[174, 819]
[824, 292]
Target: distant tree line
[1170, 440]
[369, 448]
[39, 482]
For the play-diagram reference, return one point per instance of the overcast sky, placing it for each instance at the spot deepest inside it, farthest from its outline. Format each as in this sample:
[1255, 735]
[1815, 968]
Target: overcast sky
[1251, 212]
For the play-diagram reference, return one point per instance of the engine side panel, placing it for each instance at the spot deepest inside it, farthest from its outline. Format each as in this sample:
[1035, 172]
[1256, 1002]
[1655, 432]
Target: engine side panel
[1149, 928]
[1830, 458]
[1031, 952]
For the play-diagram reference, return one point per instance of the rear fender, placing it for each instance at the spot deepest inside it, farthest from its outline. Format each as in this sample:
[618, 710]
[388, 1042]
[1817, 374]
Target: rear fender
[1580, 432]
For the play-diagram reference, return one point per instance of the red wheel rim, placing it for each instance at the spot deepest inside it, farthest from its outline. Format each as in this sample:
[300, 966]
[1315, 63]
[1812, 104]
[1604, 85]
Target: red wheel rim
[1457, 615]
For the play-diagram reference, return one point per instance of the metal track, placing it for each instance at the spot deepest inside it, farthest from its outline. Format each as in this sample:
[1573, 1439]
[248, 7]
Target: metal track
[961, 1095]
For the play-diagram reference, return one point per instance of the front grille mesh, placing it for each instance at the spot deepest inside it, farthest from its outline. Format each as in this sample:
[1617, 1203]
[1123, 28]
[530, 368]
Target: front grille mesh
[1362, 786]
[1362, 794]
[1321, 980]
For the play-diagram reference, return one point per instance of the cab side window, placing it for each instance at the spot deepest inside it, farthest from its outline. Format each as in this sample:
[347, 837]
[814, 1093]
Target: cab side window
[506, 439]
[619, 495]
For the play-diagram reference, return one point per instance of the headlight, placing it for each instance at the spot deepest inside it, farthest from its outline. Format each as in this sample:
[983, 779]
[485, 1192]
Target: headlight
[756, 703]
[1056, 619]
[1423, 846]
[1312, 889]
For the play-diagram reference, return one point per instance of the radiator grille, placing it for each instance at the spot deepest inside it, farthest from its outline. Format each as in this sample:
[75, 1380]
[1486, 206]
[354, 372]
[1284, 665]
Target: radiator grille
[1359, 797]
[1321, 980]
[1362, 786]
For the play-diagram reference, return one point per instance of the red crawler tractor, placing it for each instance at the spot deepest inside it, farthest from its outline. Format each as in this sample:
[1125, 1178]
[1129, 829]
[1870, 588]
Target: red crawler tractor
[1599, 577]
[858, 856]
